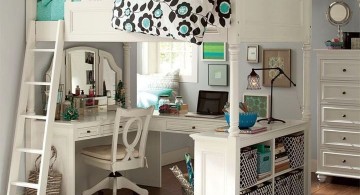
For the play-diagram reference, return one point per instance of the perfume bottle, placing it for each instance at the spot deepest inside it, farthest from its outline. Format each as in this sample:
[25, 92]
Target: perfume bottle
[77, 90]
[91, 92]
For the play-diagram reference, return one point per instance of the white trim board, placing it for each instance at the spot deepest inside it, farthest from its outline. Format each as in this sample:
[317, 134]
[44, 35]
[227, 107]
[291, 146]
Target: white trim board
[176, 155]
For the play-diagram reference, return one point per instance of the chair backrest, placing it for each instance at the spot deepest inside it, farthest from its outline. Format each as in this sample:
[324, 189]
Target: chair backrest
[137, 120]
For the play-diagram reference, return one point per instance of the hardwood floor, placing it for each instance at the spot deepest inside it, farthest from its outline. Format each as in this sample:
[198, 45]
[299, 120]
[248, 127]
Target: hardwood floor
[332, 185]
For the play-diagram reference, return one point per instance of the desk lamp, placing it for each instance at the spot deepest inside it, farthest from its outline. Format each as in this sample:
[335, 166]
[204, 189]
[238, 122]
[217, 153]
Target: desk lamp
[254, 84]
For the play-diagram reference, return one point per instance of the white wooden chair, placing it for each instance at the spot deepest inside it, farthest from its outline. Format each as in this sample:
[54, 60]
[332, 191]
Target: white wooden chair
[119, 157]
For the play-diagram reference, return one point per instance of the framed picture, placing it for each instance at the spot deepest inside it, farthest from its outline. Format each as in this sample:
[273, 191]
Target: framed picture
[258, 103]
[213, 51]
[273, 58]
[218, 74]
[252, 54]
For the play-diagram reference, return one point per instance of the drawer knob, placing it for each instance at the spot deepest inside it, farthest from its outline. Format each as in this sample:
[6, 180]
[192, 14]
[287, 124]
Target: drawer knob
[344, 115]
[344, 161]
[344, 70]
[121, 126]
[193, 127]
[88, 131]
[344, 138]
[344, 92]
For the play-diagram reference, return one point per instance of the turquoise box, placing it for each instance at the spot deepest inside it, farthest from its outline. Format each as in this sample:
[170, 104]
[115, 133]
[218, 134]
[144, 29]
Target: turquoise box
[263, 162]
[50, 10]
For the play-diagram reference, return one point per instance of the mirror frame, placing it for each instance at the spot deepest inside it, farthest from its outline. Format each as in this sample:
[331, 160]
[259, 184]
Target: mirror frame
[347, 18]
[103, 55]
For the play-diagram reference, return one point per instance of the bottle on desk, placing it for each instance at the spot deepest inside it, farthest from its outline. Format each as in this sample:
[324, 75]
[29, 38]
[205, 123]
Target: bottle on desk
[77, 90]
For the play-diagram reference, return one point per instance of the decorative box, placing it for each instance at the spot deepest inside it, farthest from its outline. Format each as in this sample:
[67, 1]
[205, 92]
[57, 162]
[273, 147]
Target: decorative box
[263, 164]
[90, 105]
[248, 168]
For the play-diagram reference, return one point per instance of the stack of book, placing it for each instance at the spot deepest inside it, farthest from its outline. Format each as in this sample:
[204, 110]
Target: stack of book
[281, 158]
[251, 130]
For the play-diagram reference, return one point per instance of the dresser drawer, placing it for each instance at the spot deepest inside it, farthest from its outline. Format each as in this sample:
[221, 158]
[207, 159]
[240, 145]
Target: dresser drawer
[340, 92]
[337, 137]
[340, 69]
[344, 161]
[341, 115]
[87, 132]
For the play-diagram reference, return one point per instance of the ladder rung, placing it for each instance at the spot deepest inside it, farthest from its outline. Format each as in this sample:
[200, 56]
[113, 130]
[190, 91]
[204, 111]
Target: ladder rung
[37, 83]
[30, 150]
[40, 117]
[44, 50]
[25, 184]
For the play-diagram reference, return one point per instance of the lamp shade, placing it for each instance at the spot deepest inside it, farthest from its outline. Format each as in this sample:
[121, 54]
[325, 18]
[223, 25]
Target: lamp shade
[253, 81]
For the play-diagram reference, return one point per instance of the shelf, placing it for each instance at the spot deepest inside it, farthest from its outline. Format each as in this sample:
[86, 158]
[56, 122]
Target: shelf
[258, 182]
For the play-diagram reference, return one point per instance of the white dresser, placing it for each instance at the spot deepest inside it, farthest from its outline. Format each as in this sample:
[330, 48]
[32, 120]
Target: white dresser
[338, 112]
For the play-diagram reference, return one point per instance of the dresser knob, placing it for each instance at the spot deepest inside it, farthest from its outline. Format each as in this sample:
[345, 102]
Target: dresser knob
[344, 70]
[193, 127]
[344, 92]
[344, 115]
[344, 138]
[88, 131]
[120, 126]
[344, 161]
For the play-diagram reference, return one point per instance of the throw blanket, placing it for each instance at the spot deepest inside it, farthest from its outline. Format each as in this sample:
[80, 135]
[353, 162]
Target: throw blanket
[177, 19]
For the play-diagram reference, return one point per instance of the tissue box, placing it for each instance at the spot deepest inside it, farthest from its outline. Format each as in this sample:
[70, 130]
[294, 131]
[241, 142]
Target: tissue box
[50, 10]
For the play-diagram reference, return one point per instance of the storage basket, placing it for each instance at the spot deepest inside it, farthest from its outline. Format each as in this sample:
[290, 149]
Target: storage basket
[263, 162]
[54, 178]
[248, 168]
[297, 182]
[250, 191]
[283, 185]
[266, 189]
[186, 188]
[294, 146]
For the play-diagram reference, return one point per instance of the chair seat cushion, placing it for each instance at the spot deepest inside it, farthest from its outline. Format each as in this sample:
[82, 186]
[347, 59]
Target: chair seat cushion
[104, 152]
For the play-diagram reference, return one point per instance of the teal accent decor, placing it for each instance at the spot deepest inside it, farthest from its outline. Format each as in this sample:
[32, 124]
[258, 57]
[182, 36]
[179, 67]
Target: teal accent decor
[184, 29]
[214, 51]
[50, 10]
[224, 7]
[146, 23]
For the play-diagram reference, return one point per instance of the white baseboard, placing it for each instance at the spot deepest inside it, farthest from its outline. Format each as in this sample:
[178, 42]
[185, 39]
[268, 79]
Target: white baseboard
[176, 155]
[313, 165]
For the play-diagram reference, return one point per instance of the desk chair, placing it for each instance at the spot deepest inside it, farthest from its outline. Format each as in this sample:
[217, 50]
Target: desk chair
[119, 157]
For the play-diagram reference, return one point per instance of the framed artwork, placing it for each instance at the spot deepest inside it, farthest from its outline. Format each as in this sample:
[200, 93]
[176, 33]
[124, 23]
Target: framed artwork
[258, 103]
[213, 51]
[273, 58]
[218, 74]
[252, 54]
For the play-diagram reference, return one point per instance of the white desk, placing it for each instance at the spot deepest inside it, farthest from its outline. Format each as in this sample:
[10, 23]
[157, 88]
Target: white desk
[71, 137]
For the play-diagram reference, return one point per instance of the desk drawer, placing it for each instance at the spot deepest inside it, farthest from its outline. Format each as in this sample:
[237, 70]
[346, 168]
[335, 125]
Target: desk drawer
[344, 138]
[341, 115]
[340, 92]
[342, 161]
[340, 69]
[87, 132]
[190, 126]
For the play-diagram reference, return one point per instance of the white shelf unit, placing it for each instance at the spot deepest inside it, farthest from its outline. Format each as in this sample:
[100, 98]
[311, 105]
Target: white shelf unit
[217, 158]
[338, 113]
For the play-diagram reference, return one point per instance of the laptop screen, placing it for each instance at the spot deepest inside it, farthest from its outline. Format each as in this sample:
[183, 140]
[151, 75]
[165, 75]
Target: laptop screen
[211, 102]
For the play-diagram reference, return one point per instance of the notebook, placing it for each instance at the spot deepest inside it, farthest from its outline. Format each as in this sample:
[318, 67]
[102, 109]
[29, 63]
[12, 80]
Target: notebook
[210, 104]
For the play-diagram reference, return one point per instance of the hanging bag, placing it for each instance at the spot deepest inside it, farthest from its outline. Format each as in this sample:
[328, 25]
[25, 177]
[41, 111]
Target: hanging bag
[54, 177]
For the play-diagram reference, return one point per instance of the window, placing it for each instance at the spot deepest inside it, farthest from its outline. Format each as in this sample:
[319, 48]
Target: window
[163, 57]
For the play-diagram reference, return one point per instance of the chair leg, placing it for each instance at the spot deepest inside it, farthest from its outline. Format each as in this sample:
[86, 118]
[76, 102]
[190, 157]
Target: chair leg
[103, 184]
[123, 182]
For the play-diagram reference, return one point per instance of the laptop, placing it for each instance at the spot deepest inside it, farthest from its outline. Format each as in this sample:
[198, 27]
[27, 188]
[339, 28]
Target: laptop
[210, 104]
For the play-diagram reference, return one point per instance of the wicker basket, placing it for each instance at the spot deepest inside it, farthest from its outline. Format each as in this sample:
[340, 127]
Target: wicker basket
[54, 177]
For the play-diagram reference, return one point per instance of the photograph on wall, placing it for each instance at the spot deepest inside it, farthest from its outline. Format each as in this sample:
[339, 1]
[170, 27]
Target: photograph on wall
[214, 51]
[257, 103]
[276, 58]
[89, 57]
[89, 77]
[218, 74]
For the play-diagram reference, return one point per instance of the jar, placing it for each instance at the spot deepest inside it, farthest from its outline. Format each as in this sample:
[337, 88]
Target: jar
[164, 99]
[179, 101]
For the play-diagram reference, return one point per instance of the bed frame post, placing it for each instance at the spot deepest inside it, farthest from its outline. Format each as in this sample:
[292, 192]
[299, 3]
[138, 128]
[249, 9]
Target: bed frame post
[127, 74]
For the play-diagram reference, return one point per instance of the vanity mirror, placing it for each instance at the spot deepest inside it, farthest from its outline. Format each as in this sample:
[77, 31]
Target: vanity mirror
[89, 67]
[339, 14]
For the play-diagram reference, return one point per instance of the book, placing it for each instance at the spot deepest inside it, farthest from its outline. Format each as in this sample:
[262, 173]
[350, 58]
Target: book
[251, 130]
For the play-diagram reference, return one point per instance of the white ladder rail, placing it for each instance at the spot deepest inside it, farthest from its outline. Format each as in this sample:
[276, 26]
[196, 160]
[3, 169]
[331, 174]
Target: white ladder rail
[27, 85]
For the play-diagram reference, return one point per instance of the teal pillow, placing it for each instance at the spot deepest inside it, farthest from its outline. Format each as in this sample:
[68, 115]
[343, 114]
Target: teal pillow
[149, 97]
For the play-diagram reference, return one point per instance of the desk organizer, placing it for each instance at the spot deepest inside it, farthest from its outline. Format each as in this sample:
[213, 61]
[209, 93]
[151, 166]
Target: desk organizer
[90, 105]
[294, 147]
[248, 168]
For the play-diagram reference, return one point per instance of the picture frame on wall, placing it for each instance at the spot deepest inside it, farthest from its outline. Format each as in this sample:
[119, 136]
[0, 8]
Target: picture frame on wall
[252, 54]
[273, 58]
[213, 51]
[218, 75]
[259, 103]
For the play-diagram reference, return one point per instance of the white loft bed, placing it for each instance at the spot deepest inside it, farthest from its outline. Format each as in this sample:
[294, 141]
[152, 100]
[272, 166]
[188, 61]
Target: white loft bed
[252, 21]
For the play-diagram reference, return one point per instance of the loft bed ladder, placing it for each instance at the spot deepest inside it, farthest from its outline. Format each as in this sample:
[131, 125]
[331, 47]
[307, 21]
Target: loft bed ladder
[27, 85]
